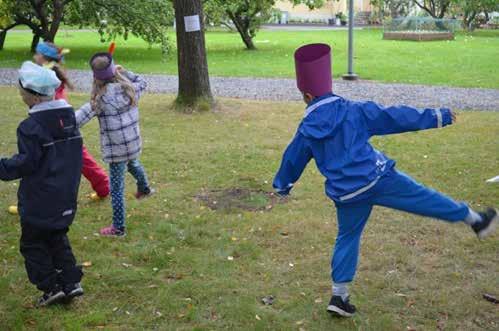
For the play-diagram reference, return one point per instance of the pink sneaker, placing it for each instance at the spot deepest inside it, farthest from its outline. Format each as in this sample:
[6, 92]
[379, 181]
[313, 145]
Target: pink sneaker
[141, 195]
[111, 231]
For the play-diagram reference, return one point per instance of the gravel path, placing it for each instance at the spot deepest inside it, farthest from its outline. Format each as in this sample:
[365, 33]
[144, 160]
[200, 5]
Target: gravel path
[285, 90]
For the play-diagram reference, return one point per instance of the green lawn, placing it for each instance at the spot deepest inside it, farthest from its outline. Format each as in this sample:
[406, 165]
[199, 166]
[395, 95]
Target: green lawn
[469, 61]
[173, 272]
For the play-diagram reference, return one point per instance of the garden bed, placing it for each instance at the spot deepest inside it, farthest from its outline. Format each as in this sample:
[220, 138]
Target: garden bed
[418, 35]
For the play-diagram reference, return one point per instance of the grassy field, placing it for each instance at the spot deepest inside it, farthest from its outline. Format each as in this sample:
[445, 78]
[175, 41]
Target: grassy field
[469, 61]
[184, 266]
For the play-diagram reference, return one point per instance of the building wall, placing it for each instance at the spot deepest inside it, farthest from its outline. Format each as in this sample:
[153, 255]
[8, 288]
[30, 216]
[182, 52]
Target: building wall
[329, 10]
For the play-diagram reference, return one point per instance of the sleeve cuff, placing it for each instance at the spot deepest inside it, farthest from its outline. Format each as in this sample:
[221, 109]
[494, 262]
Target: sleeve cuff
[284, 191]
[446, 118]
[131, 76]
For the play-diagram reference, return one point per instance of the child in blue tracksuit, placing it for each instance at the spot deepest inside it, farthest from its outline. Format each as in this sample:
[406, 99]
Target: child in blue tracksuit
[336, 132]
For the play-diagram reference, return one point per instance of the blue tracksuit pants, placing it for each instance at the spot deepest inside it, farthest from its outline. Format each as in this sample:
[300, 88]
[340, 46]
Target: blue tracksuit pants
[394, 190]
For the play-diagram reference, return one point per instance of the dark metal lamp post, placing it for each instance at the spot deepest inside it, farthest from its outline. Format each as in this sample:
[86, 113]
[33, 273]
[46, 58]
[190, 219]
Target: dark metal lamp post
[350, 75]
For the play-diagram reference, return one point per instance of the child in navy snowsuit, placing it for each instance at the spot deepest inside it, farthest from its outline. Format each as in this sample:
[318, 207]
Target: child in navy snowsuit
[336, 132]
[49, 164]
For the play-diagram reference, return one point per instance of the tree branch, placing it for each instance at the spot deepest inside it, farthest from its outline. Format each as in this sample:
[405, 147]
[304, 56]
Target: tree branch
[24, 21]
[9, 27]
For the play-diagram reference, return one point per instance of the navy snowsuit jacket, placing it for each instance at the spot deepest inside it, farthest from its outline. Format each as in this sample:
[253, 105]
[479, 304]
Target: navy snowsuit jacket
[49, 163]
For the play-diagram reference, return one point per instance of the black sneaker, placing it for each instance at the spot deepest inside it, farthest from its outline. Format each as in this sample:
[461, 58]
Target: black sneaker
[488, 224]
[72, 291]
[52, 297]
[341, 308]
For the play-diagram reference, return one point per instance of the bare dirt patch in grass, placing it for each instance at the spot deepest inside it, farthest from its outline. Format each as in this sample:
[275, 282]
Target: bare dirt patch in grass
[238, 198]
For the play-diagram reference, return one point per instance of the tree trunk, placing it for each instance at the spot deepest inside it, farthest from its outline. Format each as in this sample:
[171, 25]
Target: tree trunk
[56, 20]
[469, 20]
[248, 40]
[194, 82]
[3, 34]
[34, 43]
[242, 28]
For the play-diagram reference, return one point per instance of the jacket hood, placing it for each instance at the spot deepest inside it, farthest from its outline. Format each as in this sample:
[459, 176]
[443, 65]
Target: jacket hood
[322, 117]
[56, 116]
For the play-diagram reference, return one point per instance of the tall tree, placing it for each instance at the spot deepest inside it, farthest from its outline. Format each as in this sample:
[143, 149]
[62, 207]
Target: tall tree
[6, 20]
[194, 83]
[247, 15]
[148, 20]
[392, 8]
[44, 17]
[471, 9]
[435, 8]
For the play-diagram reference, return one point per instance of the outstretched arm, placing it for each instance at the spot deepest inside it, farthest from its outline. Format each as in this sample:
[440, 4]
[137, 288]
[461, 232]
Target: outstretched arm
[84, 115]
[138, 82]
[294, 161]
[397, 119]
[25, 162]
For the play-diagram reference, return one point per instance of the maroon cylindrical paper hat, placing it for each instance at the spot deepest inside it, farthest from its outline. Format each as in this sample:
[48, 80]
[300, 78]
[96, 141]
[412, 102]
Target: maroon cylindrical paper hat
[313, 69]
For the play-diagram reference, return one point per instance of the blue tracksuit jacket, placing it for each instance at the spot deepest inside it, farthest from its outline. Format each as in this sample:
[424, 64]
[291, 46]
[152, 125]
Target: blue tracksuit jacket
[335, 132]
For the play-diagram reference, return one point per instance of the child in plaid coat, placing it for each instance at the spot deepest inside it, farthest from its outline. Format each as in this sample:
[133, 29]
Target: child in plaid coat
[114, 102]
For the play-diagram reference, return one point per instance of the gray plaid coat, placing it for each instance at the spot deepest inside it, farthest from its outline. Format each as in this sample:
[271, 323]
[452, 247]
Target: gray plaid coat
[119, 122]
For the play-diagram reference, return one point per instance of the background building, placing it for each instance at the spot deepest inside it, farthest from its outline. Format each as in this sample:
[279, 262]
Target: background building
[302, 13]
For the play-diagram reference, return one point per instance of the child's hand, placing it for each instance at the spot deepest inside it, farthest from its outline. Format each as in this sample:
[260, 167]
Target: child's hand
[453, 115]
[119, 67]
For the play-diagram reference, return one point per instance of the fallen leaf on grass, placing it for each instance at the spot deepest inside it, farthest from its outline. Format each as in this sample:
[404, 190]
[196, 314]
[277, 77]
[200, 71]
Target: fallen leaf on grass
[230, 258]
[29, 305]
[300, 322]
[87, 264]
[319, 300]
[440, 325]
[410, 303]
[126, 265]
[258, 317]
